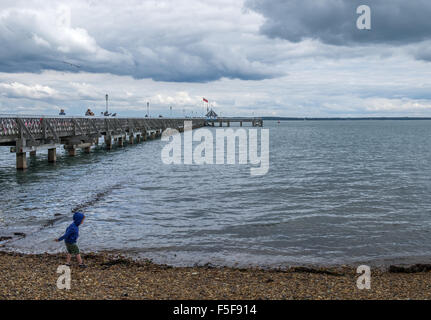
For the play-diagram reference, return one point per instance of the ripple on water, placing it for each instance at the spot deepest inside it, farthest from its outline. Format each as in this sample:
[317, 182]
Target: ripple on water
[336, 192]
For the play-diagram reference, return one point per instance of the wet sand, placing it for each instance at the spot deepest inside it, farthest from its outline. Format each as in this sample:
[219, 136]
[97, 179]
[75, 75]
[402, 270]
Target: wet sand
[115, 277]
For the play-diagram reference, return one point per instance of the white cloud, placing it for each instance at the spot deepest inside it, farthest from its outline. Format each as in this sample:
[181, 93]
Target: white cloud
[85, 91]
[20, 90]
[179, 98]
[48, 35]
[403, 105]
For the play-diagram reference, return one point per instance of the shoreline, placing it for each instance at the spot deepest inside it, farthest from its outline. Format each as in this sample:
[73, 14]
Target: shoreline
[113, 276]
[382, 264]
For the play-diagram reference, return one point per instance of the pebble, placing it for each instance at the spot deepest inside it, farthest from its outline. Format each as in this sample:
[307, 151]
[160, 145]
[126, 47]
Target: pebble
[34, 277]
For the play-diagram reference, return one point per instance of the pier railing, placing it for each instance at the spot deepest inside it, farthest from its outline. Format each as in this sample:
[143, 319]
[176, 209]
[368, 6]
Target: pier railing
[35, 129]
[28, 134]
[32, 133]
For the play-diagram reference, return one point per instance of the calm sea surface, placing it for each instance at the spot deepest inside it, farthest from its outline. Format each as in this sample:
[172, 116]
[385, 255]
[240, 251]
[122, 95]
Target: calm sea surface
[337, 192]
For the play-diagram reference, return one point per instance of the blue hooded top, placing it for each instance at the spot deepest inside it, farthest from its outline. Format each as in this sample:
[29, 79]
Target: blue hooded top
[72, 231]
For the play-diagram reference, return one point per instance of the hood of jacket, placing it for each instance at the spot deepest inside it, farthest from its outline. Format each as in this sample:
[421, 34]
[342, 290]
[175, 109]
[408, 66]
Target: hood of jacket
[77, 218]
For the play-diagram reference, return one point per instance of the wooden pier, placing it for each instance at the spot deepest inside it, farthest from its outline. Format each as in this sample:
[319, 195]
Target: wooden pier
[29, 134]
[255, 122]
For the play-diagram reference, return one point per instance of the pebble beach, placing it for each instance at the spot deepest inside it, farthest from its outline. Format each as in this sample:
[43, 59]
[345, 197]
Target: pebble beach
[108, 276]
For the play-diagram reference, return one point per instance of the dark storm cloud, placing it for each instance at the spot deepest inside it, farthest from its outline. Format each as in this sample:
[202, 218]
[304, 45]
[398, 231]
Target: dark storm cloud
[150, 41]
[91, 45]
[334, 21]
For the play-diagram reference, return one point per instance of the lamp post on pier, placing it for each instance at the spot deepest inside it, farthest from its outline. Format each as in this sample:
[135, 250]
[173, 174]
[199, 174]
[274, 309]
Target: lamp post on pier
[107, 103]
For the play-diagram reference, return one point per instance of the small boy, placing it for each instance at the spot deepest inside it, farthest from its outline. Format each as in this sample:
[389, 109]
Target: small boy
[70, 237]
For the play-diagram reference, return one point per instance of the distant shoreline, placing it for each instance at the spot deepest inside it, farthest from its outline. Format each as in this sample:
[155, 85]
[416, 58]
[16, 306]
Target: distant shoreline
[343, 118]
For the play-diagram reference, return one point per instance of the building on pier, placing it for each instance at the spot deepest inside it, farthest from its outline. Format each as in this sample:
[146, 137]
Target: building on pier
[211, 115]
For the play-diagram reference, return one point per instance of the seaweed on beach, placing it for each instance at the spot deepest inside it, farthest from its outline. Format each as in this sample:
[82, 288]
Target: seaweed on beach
[410, 269]
[315, 271]
[111, 263]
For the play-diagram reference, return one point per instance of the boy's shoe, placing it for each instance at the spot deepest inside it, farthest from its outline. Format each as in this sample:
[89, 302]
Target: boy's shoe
[68, 264]
[82, 266]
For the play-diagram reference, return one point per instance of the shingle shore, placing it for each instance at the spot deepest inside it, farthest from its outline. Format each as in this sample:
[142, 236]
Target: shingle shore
[114, 277]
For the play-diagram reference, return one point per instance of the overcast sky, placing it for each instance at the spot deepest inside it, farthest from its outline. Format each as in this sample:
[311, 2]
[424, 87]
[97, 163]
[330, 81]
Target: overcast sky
[263, 57]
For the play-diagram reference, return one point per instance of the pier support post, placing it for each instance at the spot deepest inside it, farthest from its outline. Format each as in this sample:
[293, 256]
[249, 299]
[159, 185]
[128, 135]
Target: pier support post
[145, 136]
[71, 150]
[240, 123]
[33, 154]
[87, 149]
[153, 135]
[21, 160]
[213, 124]
[221, 124]
[138, 138]
[108, 142]
[131, 138]
[120, 142]
[228, 123]
[52, 155]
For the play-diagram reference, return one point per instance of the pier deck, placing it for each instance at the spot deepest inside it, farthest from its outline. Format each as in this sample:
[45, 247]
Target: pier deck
[255, 122]
[28, 134]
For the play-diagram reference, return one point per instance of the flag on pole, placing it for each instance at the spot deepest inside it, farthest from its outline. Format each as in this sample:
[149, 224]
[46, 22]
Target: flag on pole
[206, 100]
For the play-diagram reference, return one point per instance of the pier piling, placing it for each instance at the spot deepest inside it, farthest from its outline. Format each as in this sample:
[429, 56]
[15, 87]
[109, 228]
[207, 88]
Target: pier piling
[108, 142]
[21, 160]
[71, 150]
[52, 155]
